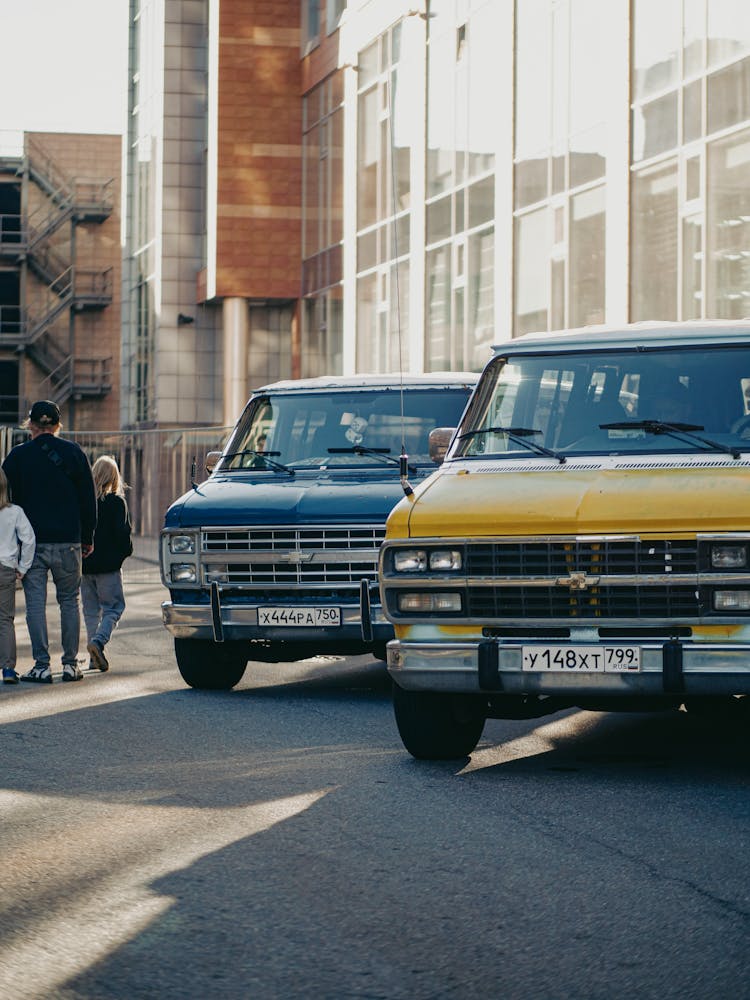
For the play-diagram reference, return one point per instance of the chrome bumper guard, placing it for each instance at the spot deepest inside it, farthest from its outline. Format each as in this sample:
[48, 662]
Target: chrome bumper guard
[669, 667]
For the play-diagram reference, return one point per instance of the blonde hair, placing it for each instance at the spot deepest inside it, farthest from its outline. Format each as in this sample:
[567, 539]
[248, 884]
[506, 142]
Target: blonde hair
[4, 491]
[107, 478]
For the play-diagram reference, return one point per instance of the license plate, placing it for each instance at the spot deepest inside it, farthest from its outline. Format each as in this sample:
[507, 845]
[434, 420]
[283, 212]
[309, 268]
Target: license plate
[299, 616]
[581, 659]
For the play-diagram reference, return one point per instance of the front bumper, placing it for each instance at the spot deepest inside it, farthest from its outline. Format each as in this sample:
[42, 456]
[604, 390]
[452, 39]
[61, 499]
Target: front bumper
[230, 622]
[492, 666]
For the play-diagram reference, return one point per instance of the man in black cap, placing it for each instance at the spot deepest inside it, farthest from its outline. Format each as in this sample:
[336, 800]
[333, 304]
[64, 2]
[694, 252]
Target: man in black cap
[50, 478]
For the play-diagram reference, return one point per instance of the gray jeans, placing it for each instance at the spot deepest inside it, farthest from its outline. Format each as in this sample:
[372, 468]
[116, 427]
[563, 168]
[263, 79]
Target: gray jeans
[103, 604]
[63, 561]
[7, 617]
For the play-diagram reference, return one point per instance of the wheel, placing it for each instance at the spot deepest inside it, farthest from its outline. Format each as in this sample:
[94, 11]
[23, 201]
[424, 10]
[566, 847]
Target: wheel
[210, 666]
[436, 726]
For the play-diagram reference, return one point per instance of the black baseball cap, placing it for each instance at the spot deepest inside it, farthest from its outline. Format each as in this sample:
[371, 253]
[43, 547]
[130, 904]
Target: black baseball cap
[45, 413]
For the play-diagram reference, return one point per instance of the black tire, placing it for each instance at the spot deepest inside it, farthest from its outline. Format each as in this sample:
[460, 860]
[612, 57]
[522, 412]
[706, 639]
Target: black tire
[437, 726]
[210, 666]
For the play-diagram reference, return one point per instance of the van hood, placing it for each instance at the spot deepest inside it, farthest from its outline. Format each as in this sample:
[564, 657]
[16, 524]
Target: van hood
[234, 500]
[709, 495]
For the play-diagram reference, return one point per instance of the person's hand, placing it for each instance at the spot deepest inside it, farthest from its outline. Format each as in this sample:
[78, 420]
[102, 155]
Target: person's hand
[19, 575]
[86, 550]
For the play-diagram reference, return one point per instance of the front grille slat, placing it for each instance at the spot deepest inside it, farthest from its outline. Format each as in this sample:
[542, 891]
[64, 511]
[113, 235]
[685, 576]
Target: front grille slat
[333, 555]
[548, 560]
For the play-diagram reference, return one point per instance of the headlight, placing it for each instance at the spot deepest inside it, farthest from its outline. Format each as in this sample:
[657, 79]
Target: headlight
[732, 600]
[183, 573]
[410, 560]
[445, 559]
[426, 603]
[182, 543]
[728, 556]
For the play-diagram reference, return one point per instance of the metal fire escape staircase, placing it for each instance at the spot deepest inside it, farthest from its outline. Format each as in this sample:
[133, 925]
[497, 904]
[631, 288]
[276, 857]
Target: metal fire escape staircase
[32, 328]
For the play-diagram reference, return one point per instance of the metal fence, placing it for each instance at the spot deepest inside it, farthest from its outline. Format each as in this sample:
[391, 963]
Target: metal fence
[156, 465]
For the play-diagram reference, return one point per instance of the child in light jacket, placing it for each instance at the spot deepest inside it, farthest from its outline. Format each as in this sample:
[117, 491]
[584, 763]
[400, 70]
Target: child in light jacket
[102, 595]
[17, 547]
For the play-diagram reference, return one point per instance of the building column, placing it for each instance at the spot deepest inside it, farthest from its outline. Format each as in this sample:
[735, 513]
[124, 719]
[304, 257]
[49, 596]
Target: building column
[236, 329]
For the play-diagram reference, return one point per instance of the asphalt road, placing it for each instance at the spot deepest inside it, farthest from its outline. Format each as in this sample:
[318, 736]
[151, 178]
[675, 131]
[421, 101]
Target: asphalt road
[277, 841]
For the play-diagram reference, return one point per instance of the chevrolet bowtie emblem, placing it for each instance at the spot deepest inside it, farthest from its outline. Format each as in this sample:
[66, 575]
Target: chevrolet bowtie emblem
[577, 581]
[298, 557]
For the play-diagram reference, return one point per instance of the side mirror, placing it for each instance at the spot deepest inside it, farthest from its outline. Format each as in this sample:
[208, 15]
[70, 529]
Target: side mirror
[438, 441]
[211, 459]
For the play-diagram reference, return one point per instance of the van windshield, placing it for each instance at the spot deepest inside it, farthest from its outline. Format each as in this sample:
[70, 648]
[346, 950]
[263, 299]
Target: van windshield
[654, 400]
[280, 432]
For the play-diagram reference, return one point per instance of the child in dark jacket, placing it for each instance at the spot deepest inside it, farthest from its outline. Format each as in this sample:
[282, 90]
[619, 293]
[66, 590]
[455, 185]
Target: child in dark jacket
[102, 595]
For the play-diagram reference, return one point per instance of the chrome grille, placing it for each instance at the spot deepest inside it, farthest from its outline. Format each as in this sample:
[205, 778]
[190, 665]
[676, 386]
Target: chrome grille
[320, 556]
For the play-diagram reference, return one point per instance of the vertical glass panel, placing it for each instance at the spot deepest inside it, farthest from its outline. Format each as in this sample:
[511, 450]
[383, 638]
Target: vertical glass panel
[728, 229]
[461, 104]
[367, 250]
[591, 63]
[367, 159]
[655, 127]
[481, 299]
[483, 88]
[481, 202]
[693, 33]
[336, 171]
[692, 268]
[532, 249]
[728, 96]
[557, 294]
[367, 65]
[586, 258]
[588, 155]
[311, 240]
[692, 107]
[438, 309]
[692, 178]
[530, 180]
[439, 220]
[533, 78]
[404, 129]
[653, 264]
[397, 356]
[458, 348]
[439, 115]
[656, 45]
[367, 322]
[728, 30]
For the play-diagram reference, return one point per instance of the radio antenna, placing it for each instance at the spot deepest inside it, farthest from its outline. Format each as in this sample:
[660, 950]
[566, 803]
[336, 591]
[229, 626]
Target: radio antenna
[403, 458]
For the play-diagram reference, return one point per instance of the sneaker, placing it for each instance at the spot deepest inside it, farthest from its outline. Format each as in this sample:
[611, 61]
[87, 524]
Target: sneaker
[39, 674]
[71, 672]
[9, 676]
[96, 652]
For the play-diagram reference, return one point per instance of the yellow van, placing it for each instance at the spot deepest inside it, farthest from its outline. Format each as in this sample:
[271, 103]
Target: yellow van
[586, 541]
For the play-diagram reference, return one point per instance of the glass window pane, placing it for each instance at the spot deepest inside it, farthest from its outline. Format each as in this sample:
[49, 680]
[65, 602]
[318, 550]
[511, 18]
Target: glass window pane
[483, 88]
[482, 202]
[692, 105]
[367, 159]
[656, 45]
[655, 127]
[591, 63]
[588, 156]
[693, 33]
[654, 244]
[530, 179]
[439, 114]
[438, 309]
[532, 257]
[728, 30]
[439, 220]
[728, 228]
[728, 97]
[533, 82]
[586, 256]
[692, 269]
[481, 299]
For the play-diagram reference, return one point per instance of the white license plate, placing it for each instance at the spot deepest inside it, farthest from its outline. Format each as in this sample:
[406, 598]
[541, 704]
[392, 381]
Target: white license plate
[299, 616]
[581, 659]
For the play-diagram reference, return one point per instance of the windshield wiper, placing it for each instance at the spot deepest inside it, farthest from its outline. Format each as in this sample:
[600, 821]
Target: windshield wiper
[384, 454]
[683, 432]
[518, 435]
[263, 455]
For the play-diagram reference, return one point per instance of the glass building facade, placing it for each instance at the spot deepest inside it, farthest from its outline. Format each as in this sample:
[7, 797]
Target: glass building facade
[514, 167]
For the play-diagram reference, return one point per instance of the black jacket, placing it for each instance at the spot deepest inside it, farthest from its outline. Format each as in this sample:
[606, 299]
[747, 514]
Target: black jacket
[112, 541]
[50, 478]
